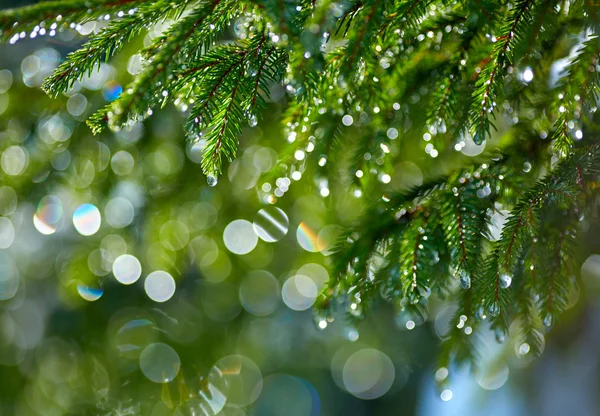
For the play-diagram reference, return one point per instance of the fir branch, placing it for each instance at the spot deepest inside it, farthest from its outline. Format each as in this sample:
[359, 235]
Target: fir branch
[151, 87]
[579, 91]
[233, 81]
[109, 42]
[50, 16]
[489, 85]
[361, 36]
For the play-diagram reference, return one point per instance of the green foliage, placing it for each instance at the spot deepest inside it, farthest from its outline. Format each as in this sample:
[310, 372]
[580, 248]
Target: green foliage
[454, 72]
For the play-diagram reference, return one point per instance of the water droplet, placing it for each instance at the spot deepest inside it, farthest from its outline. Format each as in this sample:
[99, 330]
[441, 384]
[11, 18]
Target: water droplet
[548, 321]
[465, 281]
[252, 121]
[505, 281]
[494, 309]
[211, 180]
[424, 291]
[500, 335]
[479, 138]
[480, 314]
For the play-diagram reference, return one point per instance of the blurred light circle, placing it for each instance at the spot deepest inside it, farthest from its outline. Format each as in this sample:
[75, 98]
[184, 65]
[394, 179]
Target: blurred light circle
[271, 224]
[238, 378]
[316, 272]
[54, 129]
[119, 212]
[14, 160]
[264, 159]
[470, 148]
[99, 262]
[30, 66]
[7, 232]
[135, 335]
[243, 175]
[135, 64]
[60, 160]
[299, 292]
[8, 200]
[158, 257]
[220, 301]
[307, 238]
[210, 403]
[591, 268]
[174, 235]
[406, 175]
[114, 245]
[130, 133]
[12, 341]
[88, 293]
[204, 250]
[239, 237]
[122, 163]
[442, 321]
[111, 90]
[218, 270]
[86, 219]
[100, 156]
[159, 362]
[492, 376]
[76, 104]
[159, 286]
[204, 215]
[368, 374]
[259, 293]
[6, 79]
[232, 410]
[287, 395]
[3, 103]
[195, 151]
[48, 214]
[127, 269]
[9, 276]
[446, 395]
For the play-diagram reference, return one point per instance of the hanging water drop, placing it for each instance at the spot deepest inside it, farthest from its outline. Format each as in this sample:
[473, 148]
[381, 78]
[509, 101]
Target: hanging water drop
[252, 121]
[548, 321]
[480, 314]
[494, 309]
[500, 335]
[424, 291]
[479, 138]
[505, 281]
[465, 281]
[211, 180]
[535, 296]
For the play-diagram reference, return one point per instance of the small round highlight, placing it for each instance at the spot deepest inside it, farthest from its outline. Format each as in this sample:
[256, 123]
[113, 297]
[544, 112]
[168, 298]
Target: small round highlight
[159, 286]
[127, 269]
[86, 219]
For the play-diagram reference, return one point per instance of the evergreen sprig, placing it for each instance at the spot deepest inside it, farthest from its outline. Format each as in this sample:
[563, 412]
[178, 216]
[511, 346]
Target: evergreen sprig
[109, 42]
[48, 17]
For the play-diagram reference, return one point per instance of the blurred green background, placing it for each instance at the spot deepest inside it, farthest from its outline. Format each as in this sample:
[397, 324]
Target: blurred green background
[129, 286]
